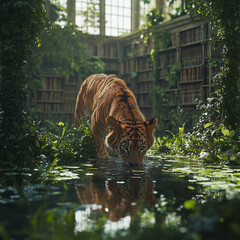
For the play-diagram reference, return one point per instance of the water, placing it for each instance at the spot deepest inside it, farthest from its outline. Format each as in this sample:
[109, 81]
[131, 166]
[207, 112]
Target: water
[103, 197]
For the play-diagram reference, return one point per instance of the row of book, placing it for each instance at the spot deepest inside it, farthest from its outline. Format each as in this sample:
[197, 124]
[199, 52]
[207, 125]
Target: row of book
[168, 58]
[144, 76]
[144, 100]
[191, 56]
[70, 97]
[54, 83]
[143, 63]
[144, 86]
[69, 107]
[111, 65]
[147, 111]
[50, 107]
[49, 96]
[127, 66]
[108, 50]
[190, 96]
[191, 87]
[190, 36]
[191, 75]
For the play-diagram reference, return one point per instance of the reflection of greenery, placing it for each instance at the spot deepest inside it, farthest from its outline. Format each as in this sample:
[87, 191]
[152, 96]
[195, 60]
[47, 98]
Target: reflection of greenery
[54, 217]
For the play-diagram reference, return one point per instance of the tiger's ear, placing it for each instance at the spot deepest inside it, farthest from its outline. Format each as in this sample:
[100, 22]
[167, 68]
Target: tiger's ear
[151, 124]
[113, 124]
[150, 127]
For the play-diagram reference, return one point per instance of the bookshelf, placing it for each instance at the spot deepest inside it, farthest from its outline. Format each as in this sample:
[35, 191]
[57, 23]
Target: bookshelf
[56, 98]
[130, 59]
[107, 48]
[189, 46]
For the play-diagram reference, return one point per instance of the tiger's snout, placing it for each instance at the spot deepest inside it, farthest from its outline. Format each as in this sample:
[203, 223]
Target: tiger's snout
[133, 163]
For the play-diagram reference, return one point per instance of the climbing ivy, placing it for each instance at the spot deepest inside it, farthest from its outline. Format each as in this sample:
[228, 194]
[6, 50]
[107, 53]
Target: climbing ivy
[161, 98]
[21, 24]
[63, 51]
[225, 15]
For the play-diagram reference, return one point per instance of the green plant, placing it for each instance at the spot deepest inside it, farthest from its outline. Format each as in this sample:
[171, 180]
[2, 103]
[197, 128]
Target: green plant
[21, 24]
[225, 15]
[162, 101]
[211, 140]
[62, 144]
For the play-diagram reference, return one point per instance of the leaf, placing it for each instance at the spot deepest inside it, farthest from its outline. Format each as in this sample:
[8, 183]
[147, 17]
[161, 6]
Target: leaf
[61, 124]
[208, 124]
[190, 204]
[63, 132]
[225, 132]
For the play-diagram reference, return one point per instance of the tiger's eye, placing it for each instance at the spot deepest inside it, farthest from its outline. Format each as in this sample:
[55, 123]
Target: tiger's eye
[142, 148]
[125, 147]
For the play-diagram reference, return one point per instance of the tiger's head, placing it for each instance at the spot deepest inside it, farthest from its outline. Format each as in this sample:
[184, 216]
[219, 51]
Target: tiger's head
[130, 139]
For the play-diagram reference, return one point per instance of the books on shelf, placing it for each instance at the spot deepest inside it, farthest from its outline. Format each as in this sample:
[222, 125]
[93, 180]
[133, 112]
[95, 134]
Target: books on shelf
[144, 86]
[189, 93]
[191, 75]
[191, 56]
[108, 50]
[191, 35]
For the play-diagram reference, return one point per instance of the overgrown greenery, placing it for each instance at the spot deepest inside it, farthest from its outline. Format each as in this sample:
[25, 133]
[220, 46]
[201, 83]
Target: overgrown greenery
[21, 25]
[161, 69]
[225, 15]
[210, 139]
[62, 143]
[215, 136]
[62, 51]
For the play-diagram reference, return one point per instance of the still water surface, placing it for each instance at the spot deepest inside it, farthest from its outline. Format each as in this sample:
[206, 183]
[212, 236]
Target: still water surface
[109, 190]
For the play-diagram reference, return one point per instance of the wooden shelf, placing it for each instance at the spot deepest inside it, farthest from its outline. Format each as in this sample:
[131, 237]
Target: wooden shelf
[190, 82]
[191, 44]
[193, 66]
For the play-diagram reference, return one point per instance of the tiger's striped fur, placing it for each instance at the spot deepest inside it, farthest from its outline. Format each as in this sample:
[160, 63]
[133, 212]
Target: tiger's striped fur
[113, 106]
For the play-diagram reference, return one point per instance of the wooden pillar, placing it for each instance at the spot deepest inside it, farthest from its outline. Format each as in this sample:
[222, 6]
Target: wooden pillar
[162, 6]
[135, 15]
[71, 11]
[102, 17]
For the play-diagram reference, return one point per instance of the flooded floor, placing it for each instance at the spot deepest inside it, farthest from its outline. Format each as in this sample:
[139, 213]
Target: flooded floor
[107, 195]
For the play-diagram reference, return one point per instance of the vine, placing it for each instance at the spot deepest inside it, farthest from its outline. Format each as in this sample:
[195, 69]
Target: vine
[63, 51]
[164, 77]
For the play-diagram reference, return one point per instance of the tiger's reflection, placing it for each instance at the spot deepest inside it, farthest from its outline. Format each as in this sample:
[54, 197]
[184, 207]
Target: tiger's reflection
[118, 197]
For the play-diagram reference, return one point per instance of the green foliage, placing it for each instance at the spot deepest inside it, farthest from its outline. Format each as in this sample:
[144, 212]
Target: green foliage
[60, 143]
[63, 51]
[160, 91]
[21, 24]
[225, 15]
[211, 140]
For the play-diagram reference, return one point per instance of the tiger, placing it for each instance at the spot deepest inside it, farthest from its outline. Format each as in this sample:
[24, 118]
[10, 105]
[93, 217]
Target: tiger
[117, 124]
